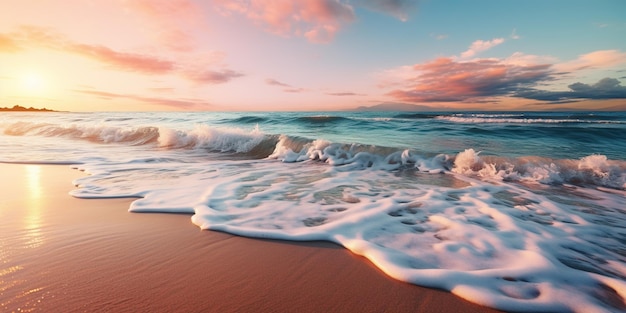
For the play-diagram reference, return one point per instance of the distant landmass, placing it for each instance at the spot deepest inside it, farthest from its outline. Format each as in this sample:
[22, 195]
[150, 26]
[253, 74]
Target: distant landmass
[392, 106]
[19, 108]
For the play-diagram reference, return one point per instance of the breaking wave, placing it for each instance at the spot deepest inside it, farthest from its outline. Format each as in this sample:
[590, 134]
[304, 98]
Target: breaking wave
[594, 170]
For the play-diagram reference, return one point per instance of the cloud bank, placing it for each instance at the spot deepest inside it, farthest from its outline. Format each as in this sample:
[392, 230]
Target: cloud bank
[481, 80]
[447, 80]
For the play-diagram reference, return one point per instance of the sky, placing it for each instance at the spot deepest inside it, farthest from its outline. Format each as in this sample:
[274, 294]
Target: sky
[312, 55]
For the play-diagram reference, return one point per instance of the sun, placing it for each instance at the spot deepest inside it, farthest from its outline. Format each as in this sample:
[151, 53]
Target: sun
[32, 82]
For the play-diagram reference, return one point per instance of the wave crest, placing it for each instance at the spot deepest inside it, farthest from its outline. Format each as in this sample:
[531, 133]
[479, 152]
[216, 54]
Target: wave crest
[97, 133]
[210, 138]
[595, 169]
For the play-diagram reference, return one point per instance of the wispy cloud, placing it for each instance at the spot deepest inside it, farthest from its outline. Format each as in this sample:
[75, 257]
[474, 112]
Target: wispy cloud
[400, 9]
[185, 104]
[119, 60]
[294, 90]
[122, 60]
[601, 25]
[48, 38]
[211, 76]
[286, 87]
[273, 82]
[162, 89]
[344, 94]
[439, 36]
[480, 46]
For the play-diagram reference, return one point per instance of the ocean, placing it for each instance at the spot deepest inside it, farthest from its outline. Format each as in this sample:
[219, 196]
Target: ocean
[520, 211]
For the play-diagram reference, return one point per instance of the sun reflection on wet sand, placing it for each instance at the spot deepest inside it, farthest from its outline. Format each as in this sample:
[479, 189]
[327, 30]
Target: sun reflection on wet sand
[33, 219]
[22, 239]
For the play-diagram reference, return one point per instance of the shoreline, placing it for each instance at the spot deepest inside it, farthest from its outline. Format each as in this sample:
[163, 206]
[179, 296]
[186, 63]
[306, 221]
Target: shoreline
[60, 253]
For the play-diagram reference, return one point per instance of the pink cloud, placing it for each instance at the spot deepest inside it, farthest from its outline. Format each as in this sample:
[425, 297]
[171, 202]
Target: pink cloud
[480, 46]
[447, 80]
[316, 20]
[286, 87]
[48, 38]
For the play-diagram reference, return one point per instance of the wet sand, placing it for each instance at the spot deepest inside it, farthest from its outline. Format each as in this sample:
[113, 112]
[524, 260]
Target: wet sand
[62, 254]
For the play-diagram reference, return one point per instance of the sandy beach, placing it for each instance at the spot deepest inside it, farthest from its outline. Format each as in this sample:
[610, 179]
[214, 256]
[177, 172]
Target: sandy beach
[62, 254]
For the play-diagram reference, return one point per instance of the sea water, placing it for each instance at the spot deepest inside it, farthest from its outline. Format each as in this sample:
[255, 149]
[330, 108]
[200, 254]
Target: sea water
[521, 211]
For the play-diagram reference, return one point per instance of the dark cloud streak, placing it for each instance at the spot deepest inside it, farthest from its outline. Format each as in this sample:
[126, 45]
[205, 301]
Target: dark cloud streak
[606, 88]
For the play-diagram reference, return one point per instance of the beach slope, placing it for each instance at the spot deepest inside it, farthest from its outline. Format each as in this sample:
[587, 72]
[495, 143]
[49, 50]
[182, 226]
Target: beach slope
[62, 254]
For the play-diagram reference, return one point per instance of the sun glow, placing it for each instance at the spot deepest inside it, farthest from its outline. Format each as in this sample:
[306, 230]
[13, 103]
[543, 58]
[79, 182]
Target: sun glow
[32, 82]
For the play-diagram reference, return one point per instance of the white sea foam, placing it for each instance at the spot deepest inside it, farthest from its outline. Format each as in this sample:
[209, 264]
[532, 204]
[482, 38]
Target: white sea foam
[500, 245]
[512, 119]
